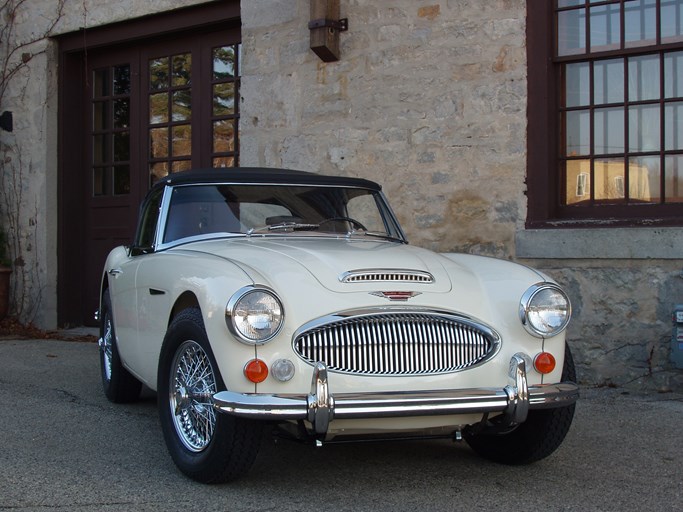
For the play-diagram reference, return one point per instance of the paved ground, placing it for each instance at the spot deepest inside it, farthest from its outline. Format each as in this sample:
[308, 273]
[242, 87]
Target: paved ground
[63, 446]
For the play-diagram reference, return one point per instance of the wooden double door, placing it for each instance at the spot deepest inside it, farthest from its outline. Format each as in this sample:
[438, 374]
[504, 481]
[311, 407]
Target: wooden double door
[135, 113]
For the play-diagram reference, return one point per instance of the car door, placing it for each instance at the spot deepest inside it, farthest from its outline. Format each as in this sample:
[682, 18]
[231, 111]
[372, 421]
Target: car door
[125, 288]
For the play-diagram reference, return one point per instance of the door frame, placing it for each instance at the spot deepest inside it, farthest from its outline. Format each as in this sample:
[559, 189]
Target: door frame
[72, 165]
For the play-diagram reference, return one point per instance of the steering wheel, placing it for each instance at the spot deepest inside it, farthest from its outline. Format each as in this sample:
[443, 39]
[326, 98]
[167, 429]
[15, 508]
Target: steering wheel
[351, 221]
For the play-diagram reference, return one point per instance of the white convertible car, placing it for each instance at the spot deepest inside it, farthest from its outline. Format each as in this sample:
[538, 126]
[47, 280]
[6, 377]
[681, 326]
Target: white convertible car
[268, 297]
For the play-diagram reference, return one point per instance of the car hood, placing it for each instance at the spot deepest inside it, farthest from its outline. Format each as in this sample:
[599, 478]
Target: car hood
[284, 261]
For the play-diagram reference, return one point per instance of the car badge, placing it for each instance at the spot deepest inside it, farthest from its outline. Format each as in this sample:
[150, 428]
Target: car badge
[396, 296]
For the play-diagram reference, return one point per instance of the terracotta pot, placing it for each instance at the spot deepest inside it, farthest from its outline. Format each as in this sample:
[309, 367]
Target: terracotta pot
[4, 291]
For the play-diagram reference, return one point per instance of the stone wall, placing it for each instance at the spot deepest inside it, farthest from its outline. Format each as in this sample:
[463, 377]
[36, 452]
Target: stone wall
[429, 98]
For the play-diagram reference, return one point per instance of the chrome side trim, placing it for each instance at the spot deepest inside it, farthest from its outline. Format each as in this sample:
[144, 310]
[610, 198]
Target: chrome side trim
[320, 407]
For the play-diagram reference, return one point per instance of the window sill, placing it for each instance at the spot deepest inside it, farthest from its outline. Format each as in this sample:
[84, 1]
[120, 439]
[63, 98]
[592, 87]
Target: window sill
[612, 243]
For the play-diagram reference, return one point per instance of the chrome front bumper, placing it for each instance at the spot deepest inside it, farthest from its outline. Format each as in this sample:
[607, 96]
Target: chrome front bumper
[320, 407]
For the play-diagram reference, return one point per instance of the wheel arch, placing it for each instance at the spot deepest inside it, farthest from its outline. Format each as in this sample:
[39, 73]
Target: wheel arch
[185, 300]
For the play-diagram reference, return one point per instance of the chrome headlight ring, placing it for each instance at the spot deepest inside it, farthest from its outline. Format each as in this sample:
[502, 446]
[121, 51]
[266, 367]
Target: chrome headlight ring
[254, 314]
[544, 310]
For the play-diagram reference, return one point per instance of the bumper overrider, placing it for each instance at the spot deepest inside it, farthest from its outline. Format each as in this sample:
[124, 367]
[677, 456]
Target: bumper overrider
[320, 407]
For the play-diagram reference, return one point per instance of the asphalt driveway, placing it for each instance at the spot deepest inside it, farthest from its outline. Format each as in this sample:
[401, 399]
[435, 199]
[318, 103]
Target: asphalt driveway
[63, 446]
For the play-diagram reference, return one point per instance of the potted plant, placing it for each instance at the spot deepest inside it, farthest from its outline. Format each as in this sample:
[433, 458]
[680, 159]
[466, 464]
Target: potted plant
[5, 271]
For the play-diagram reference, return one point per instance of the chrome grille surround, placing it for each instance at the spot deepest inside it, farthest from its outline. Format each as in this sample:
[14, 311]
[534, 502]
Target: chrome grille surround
[386, 276]
[392, 341]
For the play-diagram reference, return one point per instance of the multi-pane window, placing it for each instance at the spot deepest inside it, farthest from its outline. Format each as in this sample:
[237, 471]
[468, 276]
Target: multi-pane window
[605, 112]
[170, 113]
[111, 90]
[620, 104]
[177, 127]
[224, 86]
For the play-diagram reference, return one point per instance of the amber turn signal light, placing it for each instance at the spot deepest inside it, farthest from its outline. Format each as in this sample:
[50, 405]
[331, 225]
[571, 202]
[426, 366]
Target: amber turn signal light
[256, 371]
[544, 362]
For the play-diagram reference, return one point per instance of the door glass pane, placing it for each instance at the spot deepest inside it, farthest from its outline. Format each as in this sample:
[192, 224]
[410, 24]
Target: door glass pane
[182, 105]
[577, 132]
[605, 27]
[182, 70]
[608, 81]
[100, 149]
[672, 20]
[640, 17]
[224, 63]
[577, 84]
[643, 126]
[609, 179]
[223, 161]
[578, 176]
[182, 140]
[673, 126]
[644, 179]
[98, 181]
[673, 179]
[673, 75]
[122, 113]
[121, 76]
[158, 108]
[571, 32]
[100, 115]
[121, 179]
[609, 130]
[223, 136]
[643, 78]
[181, 165]
[158, 73]
[121, 146]
[158, 142]
[224, 99]
[157, 171]
[100, 83]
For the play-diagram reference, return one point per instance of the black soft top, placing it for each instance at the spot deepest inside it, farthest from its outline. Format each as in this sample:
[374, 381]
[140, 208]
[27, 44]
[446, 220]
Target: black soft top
[262, 175]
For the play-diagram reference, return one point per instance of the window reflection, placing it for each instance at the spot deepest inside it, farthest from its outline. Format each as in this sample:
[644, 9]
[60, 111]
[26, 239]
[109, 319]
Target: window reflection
[577, 84]
[605, 33]
[672, 20]
[641, 71]
[609, 179]
[577, 126]
[609, 81]
[640, 17]
[643, 128]
[673, 182]
[609, 130]
[571, 32]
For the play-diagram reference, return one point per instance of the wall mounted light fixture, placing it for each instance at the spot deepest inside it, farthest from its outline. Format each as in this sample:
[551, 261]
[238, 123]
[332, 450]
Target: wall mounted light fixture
[325, 27]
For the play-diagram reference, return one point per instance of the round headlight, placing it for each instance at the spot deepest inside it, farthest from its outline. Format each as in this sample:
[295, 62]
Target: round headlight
[544, 310]
[254, 315]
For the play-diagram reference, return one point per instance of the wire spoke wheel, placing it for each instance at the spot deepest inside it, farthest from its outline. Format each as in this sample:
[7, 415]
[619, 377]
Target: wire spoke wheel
[192, 385]
[106, 347]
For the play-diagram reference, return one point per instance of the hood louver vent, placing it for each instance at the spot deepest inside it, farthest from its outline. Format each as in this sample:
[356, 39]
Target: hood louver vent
[387, 276]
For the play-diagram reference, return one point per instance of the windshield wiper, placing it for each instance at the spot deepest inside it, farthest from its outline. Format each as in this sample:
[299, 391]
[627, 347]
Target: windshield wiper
[374, 234]
[283, 226]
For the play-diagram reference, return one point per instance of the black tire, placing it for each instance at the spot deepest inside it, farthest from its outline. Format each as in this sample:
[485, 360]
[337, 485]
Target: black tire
[539, 436]
[118, 384]
[207, 446]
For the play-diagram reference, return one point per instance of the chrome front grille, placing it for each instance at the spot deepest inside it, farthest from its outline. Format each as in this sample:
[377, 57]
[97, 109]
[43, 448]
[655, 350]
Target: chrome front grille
[396, 343]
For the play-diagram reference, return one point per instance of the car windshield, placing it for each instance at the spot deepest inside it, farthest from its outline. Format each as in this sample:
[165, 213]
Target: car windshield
[256, 210]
